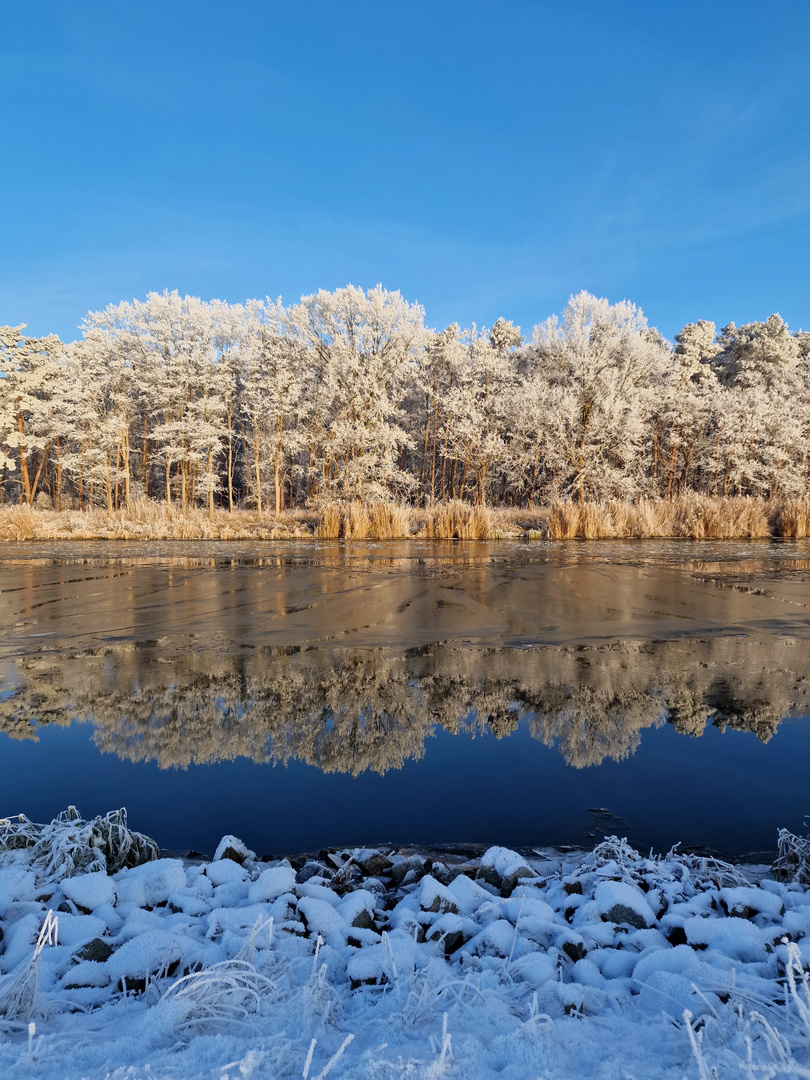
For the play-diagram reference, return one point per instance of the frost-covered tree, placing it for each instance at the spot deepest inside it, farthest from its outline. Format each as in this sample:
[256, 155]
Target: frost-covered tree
[685, 416]
[29, 368]
[478, 408]
[759, 366]
[272, 396]
[363, 349]
[599, 364]
[347, 395]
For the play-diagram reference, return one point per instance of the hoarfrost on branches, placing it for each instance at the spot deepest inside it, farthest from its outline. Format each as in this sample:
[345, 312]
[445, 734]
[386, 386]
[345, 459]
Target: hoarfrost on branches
[347, 394]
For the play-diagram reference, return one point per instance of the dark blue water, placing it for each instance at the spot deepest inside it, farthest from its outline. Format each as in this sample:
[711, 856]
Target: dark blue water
[727, 791]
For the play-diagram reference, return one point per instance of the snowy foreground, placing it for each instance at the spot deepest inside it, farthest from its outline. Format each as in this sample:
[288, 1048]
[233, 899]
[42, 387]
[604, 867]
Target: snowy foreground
[383, 964]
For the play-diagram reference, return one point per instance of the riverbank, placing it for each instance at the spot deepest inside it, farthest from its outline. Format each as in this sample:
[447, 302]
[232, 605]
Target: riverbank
[388, 963]
[692, 517]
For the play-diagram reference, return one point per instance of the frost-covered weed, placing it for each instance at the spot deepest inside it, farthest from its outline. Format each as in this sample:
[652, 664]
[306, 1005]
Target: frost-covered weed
[793, 861]
[69, 845]
[226, 995]
[761, 1043]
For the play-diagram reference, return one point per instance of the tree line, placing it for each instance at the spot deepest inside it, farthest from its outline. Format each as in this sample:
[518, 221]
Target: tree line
[348, 395]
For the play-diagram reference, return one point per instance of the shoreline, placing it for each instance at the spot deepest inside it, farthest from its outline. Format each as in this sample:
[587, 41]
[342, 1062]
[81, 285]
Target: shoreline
[117, 963]
[463, 853]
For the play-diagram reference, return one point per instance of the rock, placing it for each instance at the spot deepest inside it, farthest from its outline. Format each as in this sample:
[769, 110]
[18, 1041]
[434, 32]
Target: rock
[503, 868]
[748, 901]
[489, 875]
[225, 872]
[231, 847]
[442, 874]
[231, 853]
[401, 870]
[375, 864]
[573, 887]
[469, 895]
[312, 869]
[514, 877]
[294, 927]
[151, 883]
[621, 902]
[98, 950]
[364, 920]
[453, 942]
[621, 913]
[435, 897]
[574, 950]
[271, 883]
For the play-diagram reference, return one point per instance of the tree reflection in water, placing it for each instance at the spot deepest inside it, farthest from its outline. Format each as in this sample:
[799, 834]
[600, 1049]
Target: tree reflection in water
[351, 710]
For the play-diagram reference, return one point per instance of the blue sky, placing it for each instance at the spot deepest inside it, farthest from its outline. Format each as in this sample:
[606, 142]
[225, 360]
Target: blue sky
[485, 159]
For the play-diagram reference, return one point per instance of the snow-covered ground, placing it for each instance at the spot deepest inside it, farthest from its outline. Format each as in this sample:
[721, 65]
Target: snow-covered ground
[389, 964]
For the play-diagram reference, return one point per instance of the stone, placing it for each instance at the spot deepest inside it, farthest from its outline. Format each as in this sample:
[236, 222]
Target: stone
[375, 865]
[311, 870]
[574, 950]
[677, 936]
[621, 913]
[453, 942]
[435, 897]
[98, 950]
[364, 920]
[231, 847]
[490, 875]
[401, 870]
[512, 879]
[233, 854]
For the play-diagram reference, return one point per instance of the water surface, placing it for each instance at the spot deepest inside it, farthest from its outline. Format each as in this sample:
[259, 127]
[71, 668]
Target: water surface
[310, 694]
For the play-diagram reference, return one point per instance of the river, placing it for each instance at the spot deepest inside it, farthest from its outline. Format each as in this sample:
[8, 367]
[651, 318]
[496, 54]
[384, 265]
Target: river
[309, 694]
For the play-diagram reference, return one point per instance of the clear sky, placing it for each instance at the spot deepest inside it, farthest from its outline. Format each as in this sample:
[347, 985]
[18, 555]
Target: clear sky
[485, 158]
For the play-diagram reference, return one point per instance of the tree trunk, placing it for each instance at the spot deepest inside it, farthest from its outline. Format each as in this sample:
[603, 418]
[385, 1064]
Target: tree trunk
[210, 483]
[29, 498]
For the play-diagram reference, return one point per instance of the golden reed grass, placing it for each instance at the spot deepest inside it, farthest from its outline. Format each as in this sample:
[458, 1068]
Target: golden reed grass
[695, 517]
[145, 520]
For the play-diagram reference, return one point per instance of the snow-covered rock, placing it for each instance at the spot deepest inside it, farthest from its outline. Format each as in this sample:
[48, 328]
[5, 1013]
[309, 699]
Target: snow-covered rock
[89, 891]
[620, 902]
[232, 848]
[150, 884]
[271, 883]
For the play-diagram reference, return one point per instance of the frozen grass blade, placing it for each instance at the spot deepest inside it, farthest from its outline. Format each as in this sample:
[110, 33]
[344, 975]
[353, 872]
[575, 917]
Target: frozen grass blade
[218, 997]
[20, 997]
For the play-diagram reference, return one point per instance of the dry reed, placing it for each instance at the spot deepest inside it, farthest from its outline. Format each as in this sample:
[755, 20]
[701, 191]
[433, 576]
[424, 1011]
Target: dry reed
[457, 520]
[696, 517]
[145, 520]
[376, 520]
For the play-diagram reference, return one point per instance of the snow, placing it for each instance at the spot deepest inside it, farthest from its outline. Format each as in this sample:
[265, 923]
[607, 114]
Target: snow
[90, 890]
[239, 970]
[272, 883]
[225, 872]
[150, 884]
